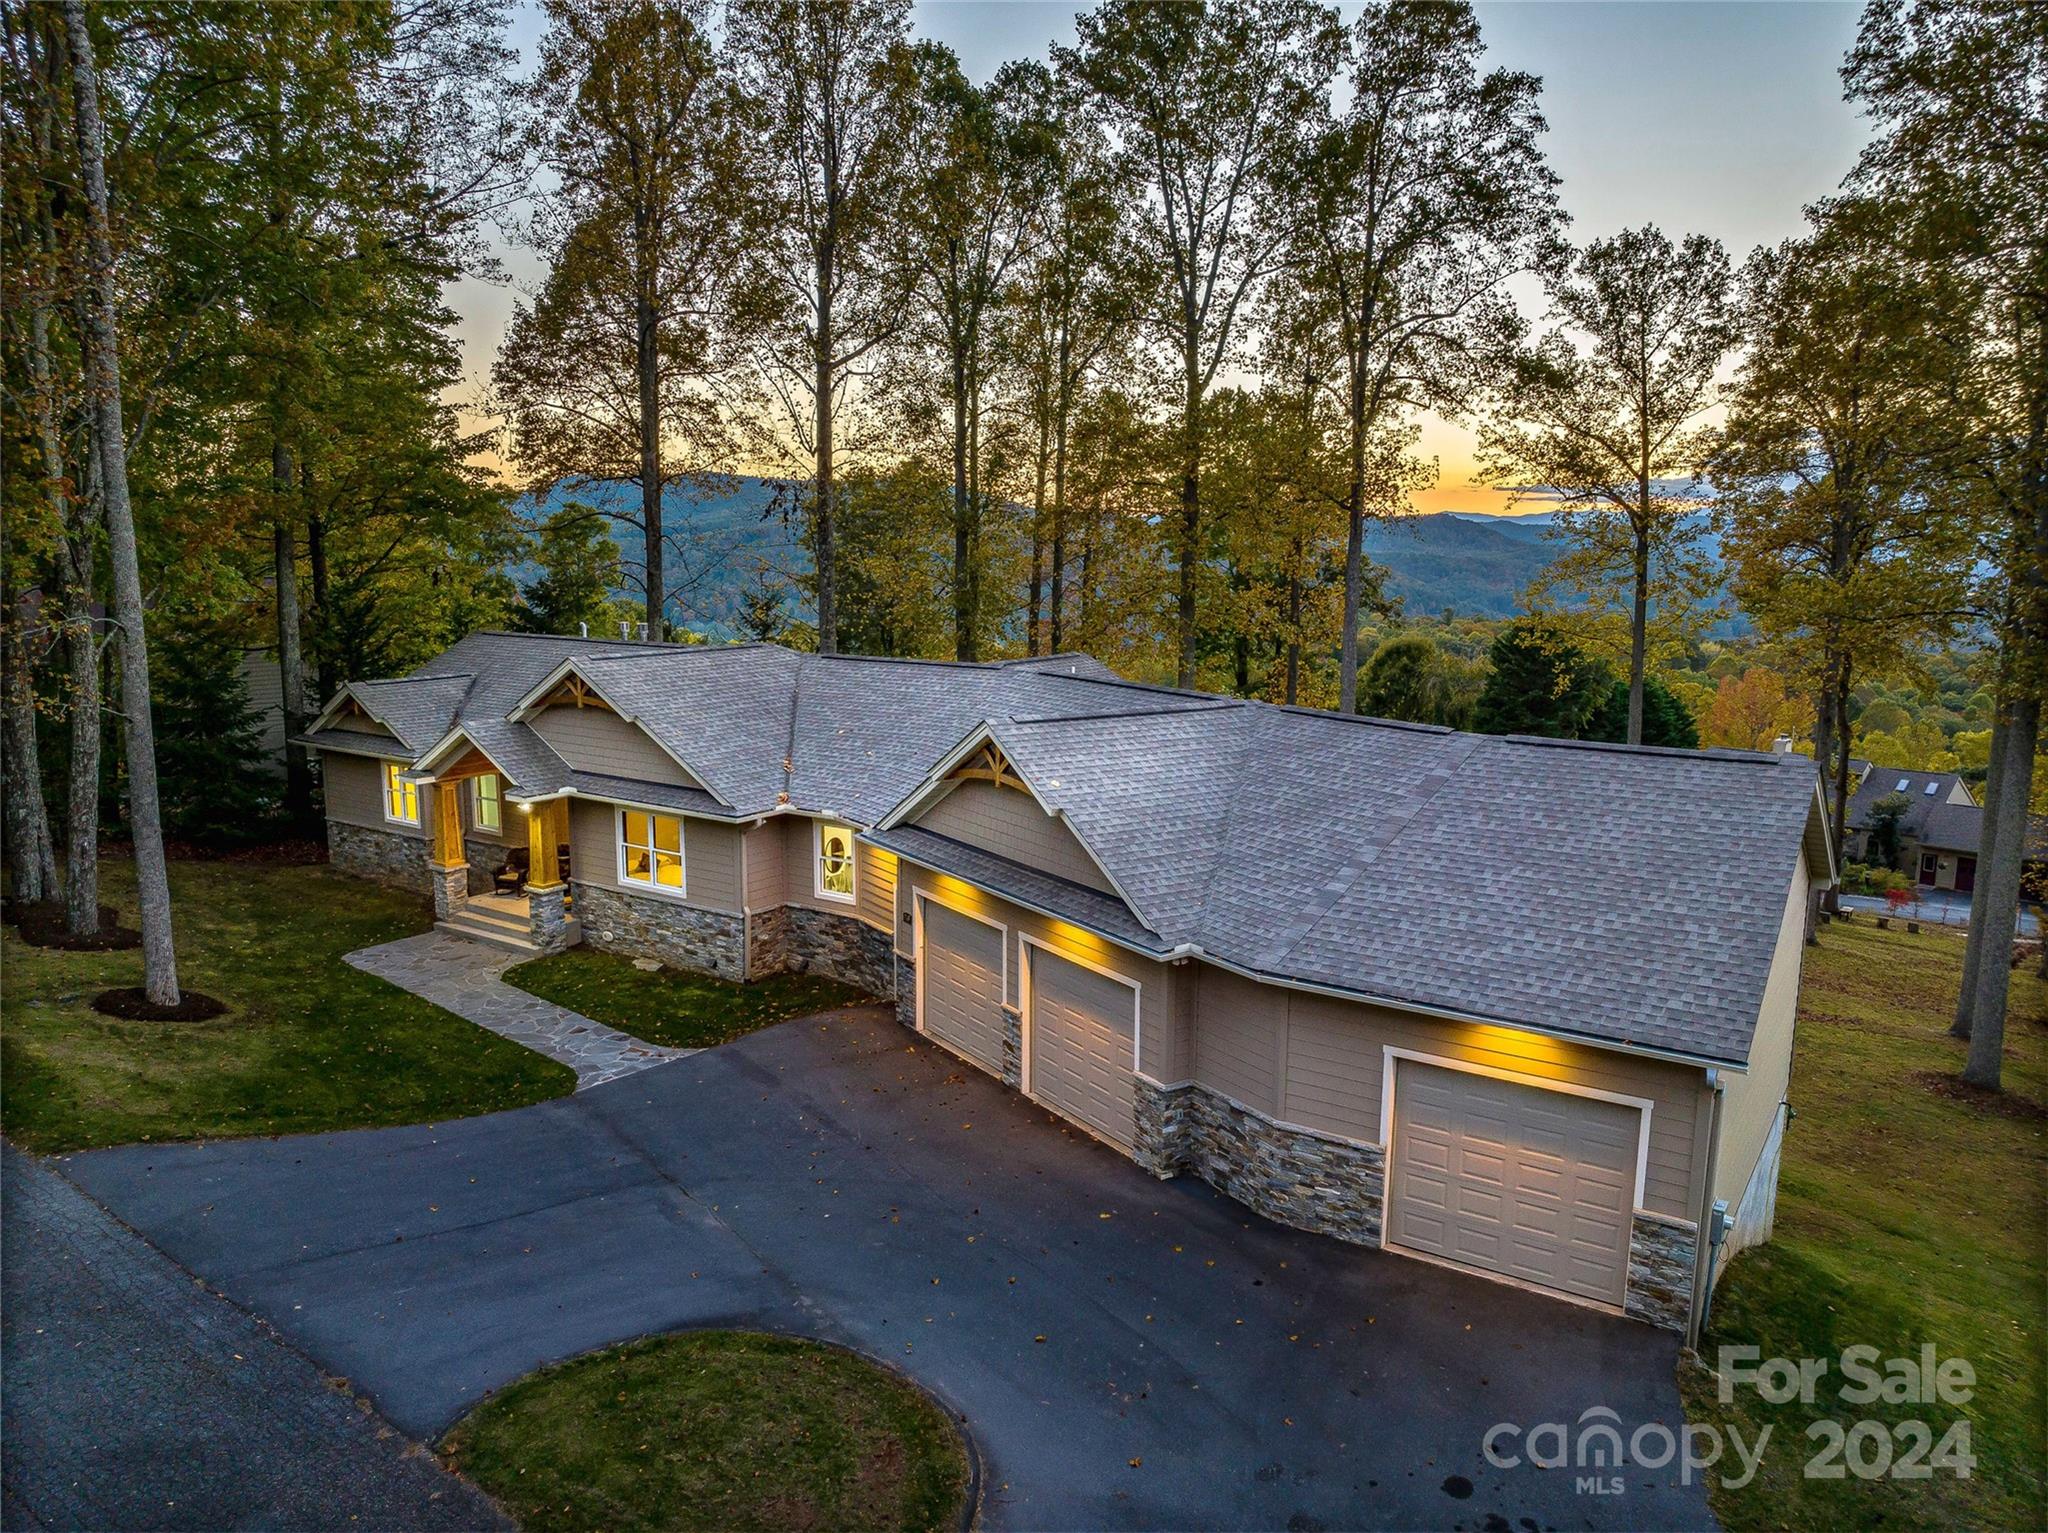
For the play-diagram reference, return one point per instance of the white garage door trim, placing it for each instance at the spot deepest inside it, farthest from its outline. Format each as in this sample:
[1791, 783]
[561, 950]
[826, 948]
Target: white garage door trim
[918, 899]
[1026, 942]
[1541, 1083]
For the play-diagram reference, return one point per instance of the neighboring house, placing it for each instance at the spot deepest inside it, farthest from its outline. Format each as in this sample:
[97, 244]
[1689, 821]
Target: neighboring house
[1937, 833]
[1520, 1006]
[264, 678]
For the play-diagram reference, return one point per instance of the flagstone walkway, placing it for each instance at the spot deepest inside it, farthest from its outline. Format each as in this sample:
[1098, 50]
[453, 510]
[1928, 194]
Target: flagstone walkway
[466, 978]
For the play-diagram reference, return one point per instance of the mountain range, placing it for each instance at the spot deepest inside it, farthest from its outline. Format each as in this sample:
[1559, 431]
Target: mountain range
[1470, 564]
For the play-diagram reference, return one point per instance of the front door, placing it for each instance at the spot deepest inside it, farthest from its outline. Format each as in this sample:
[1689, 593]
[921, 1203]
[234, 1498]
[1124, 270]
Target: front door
[1930, 868]
[1966, 874]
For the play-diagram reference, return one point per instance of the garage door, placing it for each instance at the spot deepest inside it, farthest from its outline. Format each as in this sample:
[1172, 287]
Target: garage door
[1534, 1184]
[960, 978]
[1082, 1031]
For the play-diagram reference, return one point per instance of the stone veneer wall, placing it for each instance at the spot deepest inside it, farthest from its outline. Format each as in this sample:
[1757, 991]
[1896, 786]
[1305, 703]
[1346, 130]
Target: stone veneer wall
[906, 992]
[384, 855]
[710, 941]
[1291, 1175]
[849, 950]
[768, 949]
[1661, 1252]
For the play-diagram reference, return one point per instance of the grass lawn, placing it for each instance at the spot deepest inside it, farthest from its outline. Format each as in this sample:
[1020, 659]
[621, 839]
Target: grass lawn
[715, 1430]
[308, 1043]
[1905, 1217]
[670, 1007]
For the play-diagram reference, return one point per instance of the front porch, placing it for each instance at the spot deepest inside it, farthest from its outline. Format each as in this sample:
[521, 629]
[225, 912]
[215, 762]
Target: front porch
[507, 921]
[529, 909]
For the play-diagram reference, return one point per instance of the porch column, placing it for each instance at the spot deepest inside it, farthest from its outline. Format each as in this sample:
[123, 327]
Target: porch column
[450, 869]
[542, 871]
[547, 897]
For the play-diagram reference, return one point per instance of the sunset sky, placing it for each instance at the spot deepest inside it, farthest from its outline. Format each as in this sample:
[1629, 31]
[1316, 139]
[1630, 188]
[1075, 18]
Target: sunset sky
[1718, 118]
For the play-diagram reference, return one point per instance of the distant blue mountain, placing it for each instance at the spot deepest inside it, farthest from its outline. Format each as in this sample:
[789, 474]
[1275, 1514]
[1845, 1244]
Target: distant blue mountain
[726, 536]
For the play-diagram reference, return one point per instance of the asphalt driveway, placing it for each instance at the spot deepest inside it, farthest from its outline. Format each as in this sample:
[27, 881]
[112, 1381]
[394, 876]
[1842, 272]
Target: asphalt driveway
[1127, 1353]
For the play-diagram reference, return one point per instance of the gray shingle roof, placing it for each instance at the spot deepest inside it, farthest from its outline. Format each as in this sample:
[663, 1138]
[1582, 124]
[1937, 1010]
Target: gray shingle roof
[1628, 896]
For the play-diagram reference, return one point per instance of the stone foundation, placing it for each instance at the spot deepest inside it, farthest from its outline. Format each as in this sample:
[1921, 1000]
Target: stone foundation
[547, 921]
[1292, 1175]
[709, 941]
[384, 855]
[451, 889]
[768, 949]
[849, 950]
[1661, 1252]
[906, 992]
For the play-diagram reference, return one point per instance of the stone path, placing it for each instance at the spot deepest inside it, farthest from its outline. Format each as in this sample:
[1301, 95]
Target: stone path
[465, 977]
[138, 1398]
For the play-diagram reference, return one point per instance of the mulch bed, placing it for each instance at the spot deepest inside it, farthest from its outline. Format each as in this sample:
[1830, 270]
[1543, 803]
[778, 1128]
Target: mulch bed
[132, 1005]
[2002, 1104]
[299, 852]
[43, 924]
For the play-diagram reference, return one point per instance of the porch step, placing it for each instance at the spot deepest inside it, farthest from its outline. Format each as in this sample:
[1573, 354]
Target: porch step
[483, 912]
[501, 931]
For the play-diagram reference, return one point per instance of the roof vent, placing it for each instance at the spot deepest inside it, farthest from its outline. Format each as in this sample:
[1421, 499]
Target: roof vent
[625, 631]
[583, 629]
[643, 633]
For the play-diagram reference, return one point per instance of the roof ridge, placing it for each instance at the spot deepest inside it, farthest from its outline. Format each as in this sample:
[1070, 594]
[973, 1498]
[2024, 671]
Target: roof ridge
[1622, 748]
[1127, 713]
[399, 681]
[672, 651]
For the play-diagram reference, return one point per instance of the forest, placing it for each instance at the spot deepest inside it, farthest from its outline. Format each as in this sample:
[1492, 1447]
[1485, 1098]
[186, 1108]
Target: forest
[1121, 351]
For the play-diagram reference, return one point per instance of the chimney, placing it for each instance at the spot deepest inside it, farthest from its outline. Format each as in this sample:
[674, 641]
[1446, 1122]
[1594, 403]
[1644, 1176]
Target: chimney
[1782, 746]
[583, 630]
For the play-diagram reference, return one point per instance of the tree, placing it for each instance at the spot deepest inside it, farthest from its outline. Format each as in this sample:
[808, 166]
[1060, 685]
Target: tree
[1211, 100]
[611, 372]
[1399, 680]
[1539, 686]
[1663, 719]
[1749, 710]
[1407, 214]
[1826, 530]
[103, 382]
[1604, 415]
[579, 570]
[1955, 88]
[1882, 840]
[829, 85]
[215, 789]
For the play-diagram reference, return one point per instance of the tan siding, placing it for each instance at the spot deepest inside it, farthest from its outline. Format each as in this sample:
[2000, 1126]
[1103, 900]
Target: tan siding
[1156, 981]
[1749, 1105]
[711, 856]
[354, 788]
[1010, 824]
[1238, 1038]
[764, 865]
[1334, 1065]
[874, 882]
[594, 740]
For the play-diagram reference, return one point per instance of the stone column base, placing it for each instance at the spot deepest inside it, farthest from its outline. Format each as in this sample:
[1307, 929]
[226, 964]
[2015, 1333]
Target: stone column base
[1013, 1047]
[906, 992]
[548, 917]
[451, 888]
[1661, 1253]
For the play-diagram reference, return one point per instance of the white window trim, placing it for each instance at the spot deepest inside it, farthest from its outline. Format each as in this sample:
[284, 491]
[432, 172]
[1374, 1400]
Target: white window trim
[476, 801]
[387, 776]
[642, 886]
[919, 898]
[1026, 943]
[818, 863]
[1391, 1053]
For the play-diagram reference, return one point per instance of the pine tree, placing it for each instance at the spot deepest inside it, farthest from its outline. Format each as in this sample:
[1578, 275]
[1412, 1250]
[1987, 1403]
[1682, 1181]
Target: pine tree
[1539, 686]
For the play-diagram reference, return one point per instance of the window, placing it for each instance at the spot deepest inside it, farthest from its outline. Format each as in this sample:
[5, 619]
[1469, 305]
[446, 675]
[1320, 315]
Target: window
[401, 798]
[835, 861]
[1904, 784]
[651, 851]
[1931, 787]
[484, 802]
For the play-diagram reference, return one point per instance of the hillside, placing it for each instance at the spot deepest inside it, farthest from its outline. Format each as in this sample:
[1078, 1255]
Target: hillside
[724, 538]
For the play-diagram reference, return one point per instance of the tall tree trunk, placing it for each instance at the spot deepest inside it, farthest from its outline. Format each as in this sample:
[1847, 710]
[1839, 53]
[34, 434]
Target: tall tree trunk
[1833, 896]
[648, 361]
[823, 554]
[152, 877]
[324, 682]
[1974, 943]
[1354, 552]
[1190, 523]
[1058, 638]
[291, 663]
[963, 529]
[2001, 904]
[28, 816]
[1639, 616]
[1294, 626]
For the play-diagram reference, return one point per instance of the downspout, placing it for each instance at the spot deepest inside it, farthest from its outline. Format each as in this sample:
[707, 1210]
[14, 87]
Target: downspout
[746, 909]
[1713, 1220]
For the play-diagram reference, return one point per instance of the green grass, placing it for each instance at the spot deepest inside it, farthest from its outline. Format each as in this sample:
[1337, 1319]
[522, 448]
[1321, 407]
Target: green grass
[307, 1044]
[670, 1007]
[715, 1430]
[1904, 1217]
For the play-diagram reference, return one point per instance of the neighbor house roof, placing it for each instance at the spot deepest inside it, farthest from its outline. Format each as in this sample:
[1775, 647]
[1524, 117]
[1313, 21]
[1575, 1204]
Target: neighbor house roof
[1627, 895]
[1932, 818]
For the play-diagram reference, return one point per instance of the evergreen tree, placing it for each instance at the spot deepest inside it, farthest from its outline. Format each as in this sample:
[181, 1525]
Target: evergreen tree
[1539, 686]
[1399, 680]
[579, 570]
[209, 746]
[1665, 719]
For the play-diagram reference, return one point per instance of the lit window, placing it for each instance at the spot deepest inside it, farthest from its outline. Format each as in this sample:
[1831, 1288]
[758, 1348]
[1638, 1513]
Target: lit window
[401, 798]
[835, 862]
[651, 850]
[485, 801]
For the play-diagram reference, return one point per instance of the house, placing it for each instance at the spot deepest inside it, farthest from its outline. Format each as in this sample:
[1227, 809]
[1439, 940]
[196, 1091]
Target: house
[1519, 1006]
[1937, 833]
